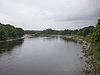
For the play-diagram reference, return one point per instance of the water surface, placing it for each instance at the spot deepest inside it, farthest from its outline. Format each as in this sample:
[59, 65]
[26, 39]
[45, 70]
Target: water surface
[41, 56]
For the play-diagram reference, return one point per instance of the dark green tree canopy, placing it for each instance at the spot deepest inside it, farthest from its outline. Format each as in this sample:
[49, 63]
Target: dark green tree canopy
[8, 31]
[86, 31]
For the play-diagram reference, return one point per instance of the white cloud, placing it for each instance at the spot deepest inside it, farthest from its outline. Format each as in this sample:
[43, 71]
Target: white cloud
[56, 14]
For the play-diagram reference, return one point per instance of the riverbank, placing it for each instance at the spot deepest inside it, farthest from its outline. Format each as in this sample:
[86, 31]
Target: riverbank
[20, 38]
[92, 66]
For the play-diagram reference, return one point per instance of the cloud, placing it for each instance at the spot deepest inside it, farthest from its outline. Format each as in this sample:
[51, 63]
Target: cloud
[56, 14]
[76, 10]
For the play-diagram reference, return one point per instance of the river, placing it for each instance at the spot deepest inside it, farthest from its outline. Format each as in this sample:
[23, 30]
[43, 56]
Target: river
[41, 56]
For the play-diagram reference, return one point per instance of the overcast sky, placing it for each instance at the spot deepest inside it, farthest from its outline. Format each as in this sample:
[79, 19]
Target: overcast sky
[55, 14]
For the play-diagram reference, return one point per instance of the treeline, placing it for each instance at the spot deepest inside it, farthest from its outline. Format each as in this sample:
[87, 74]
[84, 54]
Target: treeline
[59, 32]
[8, 32]
[32, 31]
[81, 32]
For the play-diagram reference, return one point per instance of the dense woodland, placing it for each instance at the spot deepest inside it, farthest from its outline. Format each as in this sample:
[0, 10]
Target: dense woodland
[8, 32]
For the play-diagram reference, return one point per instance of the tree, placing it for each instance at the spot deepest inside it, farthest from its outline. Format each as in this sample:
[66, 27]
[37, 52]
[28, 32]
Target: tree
[86, 31]
[8, 31]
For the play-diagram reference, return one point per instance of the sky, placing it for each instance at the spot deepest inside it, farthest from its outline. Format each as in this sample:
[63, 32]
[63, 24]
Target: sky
[55, 14]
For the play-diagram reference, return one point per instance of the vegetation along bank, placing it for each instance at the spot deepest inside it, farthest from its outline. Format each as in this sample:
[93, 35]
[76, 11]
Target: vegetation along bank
[10, 32]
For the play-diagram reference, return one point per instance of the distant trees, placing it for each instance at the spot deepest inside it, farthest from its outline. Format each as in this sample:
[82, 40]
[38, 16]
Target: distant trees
[64, 32]
[82, 32]
[8, 31]
[49, 31]
[29, 32]
[86, 31]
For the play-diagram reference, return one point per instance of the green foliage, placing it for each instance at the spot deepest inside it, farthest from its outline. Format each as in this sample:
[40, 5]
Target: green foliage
[8, 31]
[95, 44]
[86, 31]
[96, 34]
[49, 31]
[95, 50]
[30, 32]
[69, 32]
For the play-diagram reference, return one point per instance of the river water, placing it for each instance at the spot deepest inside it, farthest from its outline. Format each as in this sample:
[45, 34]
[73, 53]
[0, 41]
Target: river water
[41, 56]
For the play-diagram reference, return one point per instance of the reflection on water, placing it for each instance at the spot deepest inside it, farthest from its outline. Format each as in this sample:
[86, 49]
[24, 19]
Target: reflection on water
[8, 46]
[41, 56]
